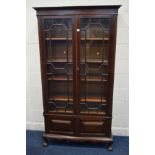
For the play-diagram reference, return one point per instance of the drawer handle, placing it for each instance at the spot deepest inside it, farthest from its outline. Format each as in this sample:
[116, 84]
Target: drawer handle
[61, 121]
[93, 123]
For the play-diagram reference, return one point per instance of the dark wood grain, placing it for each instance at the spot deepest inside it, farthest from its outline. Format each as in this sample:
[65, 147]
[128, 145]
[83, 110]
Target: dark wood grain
[79, 7]
[77, 126]
[79, 138]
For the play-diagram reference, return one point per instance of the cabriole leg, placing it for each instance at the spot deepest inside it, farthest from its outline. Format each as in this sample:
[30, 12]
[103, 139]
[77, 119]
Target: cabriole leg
[45, 142]
[110, 146]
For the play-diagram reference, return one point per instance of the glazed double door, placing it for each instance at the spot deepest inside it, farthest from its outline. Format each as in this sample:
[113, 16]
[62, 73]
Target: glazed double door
[77, 61]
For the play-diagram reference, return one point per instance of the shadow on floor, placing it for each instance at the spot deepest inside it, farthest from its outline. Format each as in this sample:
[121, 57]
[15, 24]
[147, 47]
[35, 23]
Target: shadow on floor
[55, 147]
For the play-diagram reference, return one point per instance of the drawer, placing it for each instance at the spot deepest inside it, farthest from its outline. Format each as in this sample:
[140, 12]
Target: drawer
[95, 126]
[60, 124]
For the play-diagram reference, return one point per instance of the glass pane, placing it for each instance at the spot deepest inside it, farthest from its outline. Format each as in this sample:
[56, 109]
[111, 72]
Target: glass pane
[58, 40]
[94, 53]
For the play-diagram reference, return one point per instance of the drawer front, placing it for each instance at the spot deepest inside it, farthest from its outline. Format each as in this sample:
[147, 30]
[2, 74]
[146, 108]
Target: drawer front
[95, 126]
[60, 124]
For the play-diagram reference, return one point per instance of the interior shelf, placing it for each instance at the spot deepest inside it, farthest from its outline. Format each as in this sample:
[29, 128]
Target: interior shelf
[55, 39]
[58, 39]
[59, 60]
[106, 38]
[94, 79]
[65, 78]
[61, 111]
[92, 112]
[61, 98]
[88, 99]
[60, 78]
[105, 62]
[93, 99]
[55, 29]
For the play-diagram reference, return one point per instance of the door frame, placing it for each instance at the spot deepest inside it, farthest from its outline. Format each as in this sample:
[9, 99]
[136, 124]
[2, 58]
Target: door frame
[109, 86]
[43, 59]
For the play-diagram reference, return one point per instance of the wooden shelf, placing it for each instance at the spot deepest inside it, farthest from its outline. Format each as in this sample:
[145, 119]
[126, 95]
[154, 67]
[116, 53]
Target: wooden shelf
[105, 62]
[82, 61]
[88, 99]
[106, 38]
[92, 112]
[60, 78]
[61, 111]
[94, 79]
[55, 39]
[61, 98]
[93, 99]
[70, 78]
[95, 39]
[59, 60]
[56, 29]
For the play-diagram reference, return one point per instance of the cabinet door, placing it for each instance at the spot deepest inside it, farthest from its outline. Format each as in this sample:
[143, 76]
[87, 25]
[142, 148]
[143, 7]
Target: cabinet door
[93, 62]
[58, 34]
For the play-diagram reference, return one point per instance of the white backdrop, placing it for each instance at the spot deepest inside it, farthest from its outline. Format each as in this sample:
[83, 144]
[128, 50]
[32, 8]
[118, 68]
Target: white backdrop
[34, 111]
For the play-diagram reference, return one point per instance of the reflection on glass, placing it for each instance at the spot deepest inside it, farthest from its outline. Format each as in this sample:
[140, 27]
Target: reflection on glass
[94, 50]
[58, 40]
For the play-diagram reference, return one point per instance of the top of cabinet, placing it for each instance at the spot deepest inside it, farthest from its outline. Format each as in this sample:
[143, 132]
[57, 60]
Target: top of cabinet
[96, 9]
[79, 7]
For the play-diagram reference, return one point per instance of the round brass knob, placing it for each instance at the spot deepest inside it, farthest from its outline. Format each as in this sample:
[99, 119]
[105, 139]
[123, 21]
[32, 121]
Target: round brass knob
[97, 53]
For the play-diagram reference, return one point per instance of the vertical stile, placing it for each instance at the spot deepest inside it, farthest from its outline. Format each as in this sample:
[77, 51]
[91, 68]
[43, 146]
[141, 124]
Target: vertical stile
[85, 44]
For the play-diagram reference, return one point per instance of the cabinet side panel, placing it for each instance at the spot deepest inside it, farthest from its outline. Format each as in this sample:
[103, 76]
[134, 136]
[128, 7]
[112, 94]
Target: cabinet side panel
[42, 62]
[112, 64]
